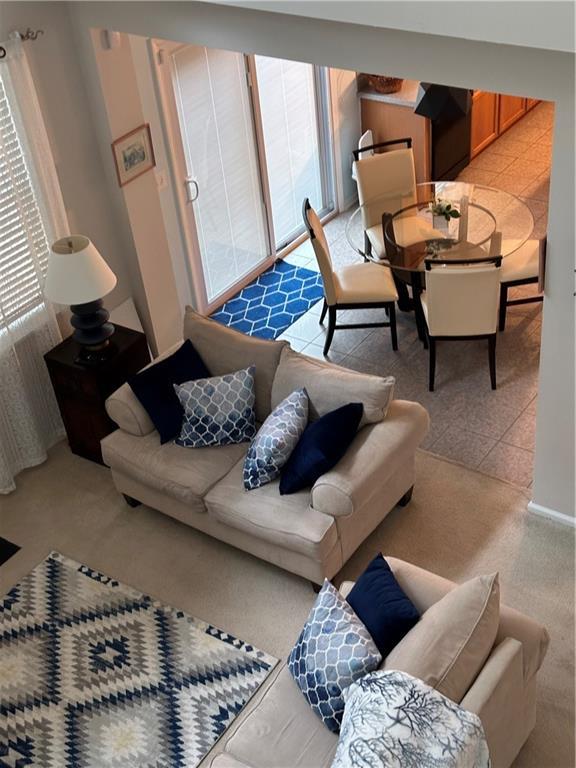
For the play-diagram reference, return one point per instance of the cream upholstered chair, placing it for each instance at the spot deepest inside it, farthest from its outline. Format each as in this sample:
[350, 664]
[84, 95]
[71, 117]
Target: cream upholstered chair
[365, 144]
[386, 182]
[520, 268]
[460, 303]
[357, 286]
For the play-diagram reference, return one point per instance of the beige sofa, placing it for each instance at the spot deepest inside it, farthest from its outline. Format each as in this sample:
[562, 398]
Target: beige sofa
[278, 729]
[312, 532]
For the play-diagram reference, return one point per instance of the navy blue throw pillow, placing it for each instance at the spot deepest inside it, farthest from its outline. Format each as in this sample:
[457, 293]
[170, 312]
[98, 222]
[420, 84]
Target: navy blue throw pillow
[154, 388]
[321, 447]
[382, 606]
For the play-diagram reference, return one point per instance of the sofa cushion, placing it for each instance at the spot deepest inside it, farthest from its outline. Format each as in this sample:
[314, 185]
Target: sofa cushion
[275, 441]
[184, 474]
[226, 760]
[218, 410]
[330, 386]
[449, 645]
[281, 731]
[382, 606]
[333, 650]
[425, 589]
[321, 447]
[225, 350]
[154, 388]
[286, 521]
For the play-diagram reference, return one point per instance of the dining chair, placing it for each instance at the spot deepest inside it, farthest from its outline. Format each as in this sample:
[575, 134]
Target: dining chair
[461, 303]
[522, 267]
[357, 286]
[386, 183]
[365, 144]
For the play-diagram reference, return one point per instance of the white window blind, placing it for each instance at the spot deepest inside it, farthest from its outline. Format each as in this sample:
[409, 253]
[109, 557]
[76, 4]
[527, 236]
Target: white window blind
[23, 242]
[221, 156]
[290, 124]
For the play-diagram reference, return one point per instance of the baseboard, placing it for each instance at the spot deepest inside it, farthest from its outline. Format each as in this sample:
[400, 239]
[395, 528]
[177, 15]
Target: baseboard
[552, 514]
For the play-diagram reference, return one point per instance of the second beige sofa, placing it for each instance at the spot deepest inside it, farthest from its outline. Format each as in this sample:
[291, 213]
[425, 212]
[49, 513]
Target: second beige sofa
[312, 532]
[278, 729]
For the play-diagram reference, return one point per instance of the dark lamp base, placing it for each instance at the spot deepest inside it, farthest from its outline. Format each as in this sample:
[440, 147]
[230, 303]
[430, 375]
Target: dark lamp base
[92, 332]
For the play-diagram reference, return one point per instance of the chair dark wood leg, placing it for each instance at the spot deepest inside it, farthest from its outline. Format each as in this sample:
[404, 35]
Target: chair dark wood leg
[416, 280]
[367, 247]
[503, 303]
[393, 332]
[323, 313]
[404, 301]
[492, 359]
[407, 498]
[130, 501]
[432, 348]
[331, 327]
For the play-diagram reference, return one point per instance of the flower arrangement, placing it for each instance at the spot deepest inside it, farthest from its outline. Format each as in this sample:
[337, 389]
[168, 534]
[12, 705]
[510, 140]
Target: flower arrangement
[439, 207]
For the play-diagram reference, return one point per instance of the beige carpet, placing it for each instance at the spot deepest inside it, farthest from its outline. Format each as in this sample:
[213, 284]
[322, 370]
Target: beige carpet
[460, 523]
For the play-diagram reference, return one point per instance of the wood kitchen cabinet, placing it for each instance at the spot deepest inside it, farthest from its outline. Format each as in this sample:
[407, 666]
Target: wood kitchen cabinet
[484, 125]
[492, 114]
[510, 109]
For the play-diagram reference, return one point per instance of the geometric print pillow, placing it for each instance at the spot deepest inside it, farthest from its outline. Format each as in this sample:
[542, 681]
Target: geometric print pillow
[276, 439]
[333, 651]
[218, 410]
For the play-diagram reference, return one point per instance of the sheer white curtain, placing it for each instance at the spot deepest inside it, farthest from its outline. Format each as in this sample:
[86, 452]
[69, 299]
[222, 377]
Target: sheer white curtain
[32, 215]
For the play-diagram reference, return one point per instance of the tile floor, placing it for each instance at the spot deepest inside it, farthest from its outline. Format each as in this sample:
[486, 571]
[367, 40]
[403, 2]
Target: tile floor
[492, 431]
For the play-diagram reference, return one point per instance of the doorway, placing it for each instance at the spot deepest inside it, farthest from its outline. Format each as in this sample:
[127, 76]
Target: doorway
[249, 138]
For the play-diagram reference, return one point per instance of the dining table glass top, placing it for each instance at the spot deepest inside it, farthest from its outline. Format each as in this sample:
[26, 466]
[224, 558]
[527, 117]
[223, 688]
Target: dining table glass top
[489, 222]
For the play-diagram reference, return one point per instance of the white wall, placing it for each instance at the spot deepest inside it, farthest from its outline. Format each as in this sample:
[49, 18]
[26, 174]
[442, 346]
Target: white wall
[546, 74]
[151, 107]
[346, 131]
[140, 199]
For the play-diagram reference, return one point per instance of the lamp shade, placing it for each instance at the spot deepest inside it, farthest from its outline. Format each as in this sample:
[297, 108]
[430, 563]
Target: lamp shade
[77, 274]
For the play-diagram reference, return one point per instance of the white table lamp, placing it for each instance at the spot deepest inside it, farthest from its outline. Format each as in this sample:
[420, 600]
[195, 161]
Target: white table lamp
[78, 275]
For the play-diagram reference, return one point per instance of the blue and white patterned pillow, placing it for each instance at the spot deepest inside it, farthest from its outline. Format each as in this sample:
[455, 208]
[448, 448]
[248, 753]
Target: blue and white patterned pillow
[218, 410]
[333, 651]
[276, 439]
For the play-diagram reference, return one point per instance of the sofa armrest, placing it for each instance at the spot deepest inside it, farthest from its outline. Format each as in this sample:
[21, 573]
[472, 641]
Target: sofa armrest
[127, 411]
[375, 454]
[497, 696]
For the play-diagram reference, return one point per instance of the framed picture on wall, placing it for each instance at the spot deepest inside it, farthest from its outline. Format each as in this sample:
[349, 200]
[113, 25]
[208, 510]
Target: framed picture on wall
[133, 154]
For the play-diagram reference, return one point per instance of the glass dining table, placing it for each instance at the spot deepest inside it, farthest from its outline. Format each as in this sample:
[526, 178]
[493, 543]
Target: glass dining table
[488, 222]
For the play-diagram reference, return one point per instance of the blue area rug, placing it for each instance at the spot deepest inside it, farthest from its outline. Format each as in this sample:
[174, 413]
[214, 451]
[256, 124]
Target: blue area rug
[272, 302]
[100, 675]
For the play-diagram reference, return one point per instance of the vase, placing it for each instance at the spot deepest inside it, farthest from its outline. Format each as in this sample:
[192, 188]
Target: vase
[441, 224]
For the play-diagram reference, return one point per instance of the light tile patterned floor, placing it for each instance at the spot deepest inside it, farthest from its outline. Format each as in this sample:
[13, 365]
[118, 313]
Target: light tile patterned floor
[485, 430]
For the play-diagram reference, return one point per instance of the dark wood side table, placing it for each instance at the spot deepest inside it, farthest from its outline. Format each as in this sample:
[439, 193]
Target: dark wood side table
[82, 389]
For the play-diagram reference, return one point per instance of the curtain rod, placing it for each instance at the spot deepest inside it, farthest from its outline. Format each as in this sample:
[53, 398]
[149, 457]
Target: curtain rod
[30, 34]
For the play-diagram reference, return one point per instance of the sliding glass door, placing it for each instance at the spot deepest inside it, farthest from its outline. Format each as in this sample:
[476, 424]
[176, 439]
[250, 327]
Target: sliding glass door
[222, 180]
[249, 139]
[292, 100]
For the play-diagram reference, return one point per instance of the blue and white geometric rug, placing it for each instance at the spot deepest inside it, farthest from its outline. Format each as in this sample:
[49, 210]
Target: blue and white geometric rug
[272, 302]
[94, 674]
